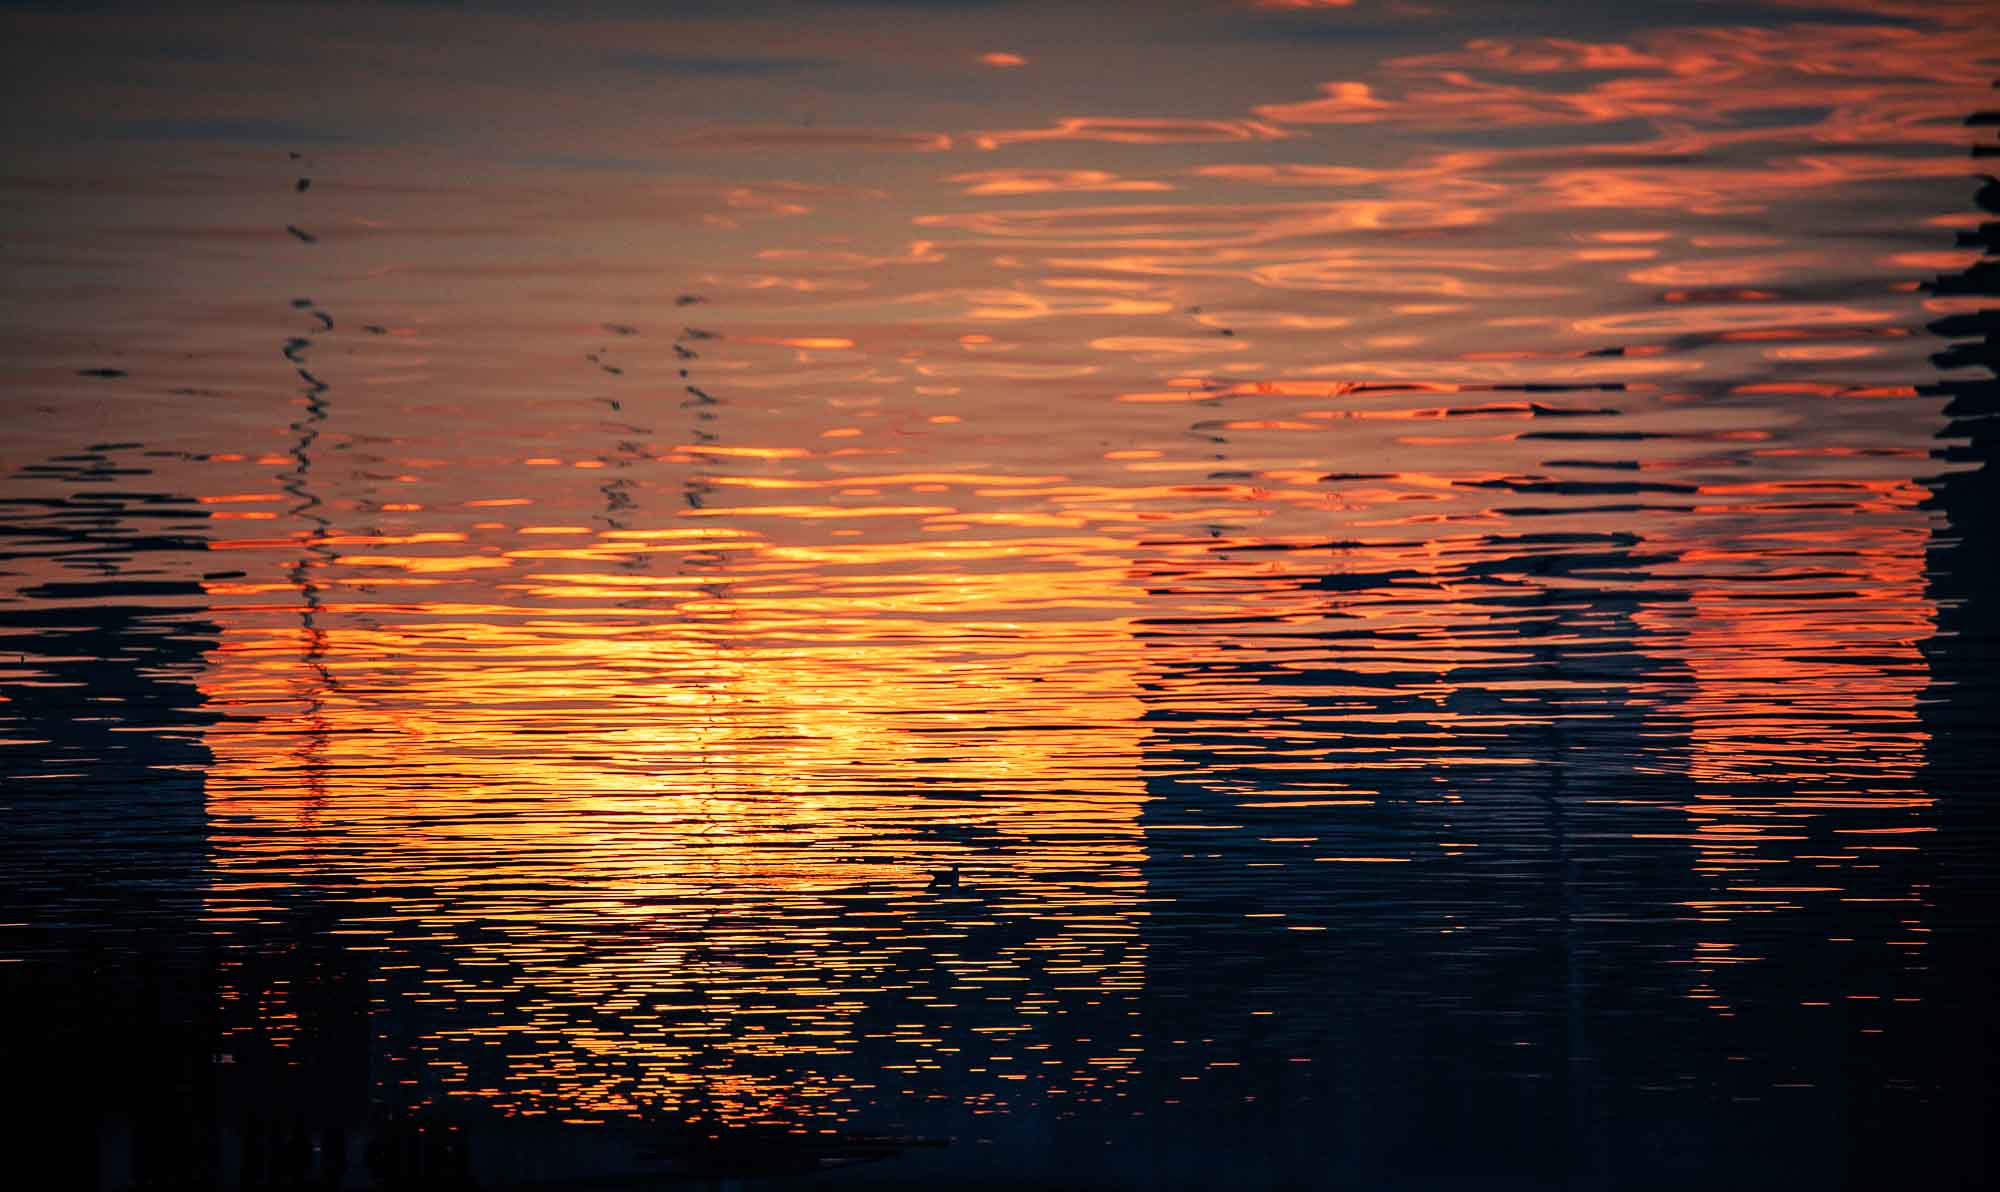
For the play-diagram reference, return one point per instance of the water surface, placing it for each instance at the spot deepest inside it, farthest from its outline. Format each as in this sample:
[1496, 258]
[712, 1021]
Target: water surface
[1267, 595]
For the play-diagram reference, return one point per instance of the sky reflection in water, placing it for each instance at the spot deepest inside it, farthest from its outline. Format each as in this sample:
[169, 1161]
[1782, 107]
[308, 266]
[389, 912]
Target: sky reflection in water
[1401, 553]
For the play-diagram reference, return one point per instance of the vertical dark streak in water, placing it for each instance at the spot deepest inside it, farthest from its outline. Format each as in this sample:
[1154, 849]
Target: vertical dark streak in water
[296, 483]
[697, 490]
[1959, 709]
[294, 999]
[620, 506]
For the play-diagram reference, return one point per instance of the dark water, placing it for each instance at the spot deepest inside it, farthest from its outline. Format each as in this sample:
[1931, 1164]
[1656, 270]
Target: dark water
[1118, 596]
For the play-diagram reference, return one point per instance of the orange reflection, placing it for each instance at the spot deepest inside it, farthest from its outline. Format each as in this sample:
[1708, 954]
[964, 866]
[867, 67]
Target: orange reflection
[677, 607]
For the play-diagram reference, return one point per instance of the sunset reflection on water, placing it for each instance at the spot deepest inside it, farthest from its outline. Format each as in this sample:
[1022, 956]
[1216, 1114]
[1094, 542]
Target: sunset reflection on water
[1385, 581]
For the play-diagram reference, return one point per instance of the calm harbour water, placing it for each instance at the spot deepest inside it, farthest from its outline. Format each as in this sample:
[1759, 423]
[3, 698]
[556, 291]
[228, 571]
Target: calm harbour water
[1117, 596]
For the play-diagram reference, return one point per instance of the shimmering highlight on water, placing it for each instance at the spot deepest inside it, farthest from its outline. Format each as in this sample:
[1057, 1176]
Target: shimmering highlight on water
[1426, 607]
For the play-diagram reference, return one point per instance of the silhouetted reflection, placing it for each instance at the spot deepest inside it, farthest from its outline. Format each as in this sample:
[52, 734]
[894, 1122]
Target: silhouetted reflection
[1405, 906]
[1457, 895]
[176, 1058]
[292, 1050]
[1962, 571]
[1333, 647]
[108, 982]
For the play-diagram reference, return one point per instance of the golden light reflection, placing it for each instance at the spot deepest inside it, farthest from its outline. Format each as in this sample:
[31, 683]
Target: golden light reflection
[782, 647]
[741, 776]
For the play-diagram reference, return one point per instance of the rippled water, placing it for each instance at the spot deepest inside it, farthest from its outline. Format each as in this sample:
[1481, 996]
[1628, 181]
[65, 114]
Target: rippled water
[1289, 594]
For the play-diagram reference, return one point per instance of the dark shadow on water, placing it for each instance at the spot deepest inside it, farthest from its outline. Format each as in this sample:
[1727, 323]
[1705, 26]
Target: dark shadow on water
[107, 826]
[1961, 711]
[165, 1056]
[1418, 1015]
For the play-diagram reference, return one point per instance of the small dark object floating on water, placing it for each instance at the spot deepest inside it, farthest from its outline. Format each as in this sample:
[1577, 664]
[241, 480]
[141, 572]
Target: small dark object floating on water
[107, 373]
[944, 879]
